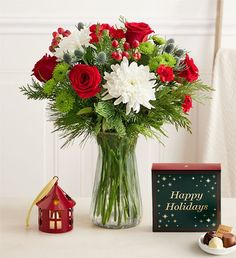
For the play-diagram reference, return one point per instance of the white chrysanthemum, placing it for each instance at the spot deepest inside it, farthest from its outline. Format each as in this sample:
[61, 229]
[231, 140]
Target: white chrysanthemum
[130, 84]
[75, 40]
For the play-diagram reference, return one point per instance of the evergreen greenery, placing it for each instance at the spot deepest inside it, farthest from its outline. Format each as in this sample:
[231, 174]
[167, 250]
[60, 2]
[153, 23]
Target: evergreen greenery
[74, 116]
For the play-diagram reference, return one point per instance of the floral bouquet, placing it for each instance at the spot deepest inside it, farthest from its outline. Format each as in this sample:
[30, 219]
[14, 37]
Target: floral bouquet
[115, 83]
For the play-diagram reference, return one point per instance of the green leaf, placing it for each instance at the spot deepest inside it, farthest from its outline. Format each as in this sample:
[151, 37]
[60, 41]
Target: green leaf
[85, 110]
[120, 128]
[105, 109]
[111, 119]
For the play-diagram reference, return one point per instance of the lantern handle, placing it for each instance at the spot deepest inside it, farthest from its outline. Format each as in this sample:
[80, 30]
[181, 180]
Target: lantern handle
[40, 196]
[56, 177]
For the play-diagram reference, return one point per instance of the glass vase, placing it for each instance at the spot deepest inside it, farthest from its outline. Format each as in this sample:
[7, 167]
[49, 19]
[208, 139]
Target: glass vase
[116, 200]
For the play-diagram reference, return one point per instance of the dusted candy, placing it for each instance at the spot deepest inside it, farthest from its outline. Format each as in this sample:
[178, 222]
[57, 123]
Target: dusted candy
[216, 242]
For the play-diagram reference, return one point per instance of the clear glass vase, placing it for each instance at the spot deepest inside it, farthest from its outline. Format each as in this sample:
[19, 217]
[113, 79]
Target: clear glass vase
[116, 200]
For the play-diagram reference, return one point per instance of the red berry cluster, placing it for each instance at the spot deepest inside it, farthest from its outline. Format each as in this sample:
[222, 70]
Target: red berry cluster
[128, 50]
[57, 36]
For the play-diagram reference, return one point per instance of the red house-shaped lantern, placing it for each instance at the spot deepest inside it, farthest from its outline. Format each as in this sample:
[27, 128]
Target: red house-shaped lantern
[55, 211]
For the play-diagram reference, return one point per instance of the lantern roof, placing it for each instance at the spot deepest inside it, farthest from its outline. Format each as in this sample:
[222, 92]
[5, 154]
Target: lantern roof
[56, 199]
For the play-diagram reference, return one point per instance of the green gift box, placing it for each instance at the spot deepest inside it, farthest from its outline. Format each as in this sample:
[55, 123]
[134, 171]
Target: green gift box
[186, 196]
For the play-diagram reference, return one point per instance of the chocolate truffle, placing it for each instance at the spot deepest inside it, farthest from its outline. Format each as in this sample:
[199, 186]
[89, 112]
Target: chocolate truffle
[208, 236]
[216, 242]
[228, 240]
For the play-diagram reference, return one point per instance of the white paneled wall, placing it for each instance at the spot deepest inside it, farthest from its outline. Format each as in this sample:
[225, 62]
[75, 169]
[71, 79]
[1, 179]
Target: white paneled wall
[29, 154]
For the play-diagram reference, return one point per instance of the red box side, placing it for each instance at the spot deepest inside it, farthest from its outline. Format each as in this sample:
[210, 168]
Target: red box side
[186, 166]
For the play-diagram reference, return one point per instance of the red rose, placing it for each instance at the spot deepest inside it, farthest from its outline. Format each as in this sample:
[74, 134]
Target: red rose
[137, 31]
[96, 31]
[43, 69]
[187, 105]
[85, 80]
[191, 71]
[166, 73]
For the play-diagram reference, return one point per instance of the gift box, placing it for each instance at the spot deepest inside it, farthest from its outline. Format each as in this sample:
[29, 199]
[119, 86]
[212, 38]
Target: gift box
[186, 196]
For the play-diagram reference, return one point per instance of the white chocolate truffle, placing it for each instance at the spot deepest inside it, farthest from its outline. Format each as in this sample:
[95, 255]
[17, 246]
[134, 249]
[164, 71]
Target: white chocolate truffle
[216, 242]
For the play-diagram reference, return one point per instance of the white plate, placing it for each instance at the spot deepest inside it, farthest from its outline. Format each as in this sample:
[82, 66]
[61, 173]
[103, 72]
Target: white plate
[215, 251]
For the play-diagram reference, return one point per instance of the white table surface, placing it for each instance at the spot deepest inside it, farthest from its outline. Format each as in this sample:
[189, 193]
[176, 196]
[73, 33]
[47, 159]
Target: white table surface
[88, 241]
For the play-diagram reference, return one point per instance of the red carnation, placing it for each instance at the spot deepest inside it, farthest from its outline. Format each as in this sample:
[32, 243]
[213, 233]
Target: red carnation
[190, 73]
[187, 104]
[99, 27]
[96, 31]
[43, 69]
[85, 80]
[116, 33]
[166, 73]
[137, 31]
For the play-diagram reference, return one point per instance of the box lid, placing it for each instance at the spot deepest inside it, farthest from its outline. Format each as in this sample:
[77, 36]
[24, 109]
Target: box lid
[186, 166]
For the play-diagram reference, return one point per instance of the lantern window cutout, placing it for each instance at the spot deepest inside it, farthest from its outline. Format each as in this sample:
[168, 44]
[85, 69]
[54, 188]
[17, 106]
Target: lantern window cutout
[56, 211]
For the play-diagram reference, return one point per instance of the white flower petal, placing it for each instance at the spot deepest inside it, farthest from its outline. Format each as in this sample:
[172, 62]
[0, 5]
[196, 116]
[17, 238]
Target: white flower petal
[128, 109]
[130, 84]
[118, 101]
[107, 97]
[76, 40]
[104, 93]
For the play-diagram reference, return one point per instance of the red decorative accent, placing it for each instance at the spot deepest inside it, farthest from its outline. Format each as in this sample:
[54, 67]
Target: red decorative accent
[135, 43]
[56, 211]
[185, 166]
[115, 43]
[137, 56]
[66, 33]
[126, 54]
[116, 55]
[126, 46]
[60, 30]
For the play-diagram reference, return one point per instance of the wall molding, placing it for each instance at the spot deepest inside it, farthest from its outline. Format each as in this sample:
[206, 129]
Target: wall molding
[44, 25]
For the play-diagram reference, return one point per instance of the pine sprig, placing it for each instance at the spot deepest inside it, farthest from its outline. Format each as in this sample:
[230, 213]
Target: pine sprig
[34, 91]
[75, 116]
[70, 125]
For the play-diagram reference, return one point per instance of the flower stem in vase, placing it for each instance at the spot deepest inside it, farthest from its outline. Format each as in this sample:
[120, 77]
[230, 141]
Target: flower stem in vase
[116, 197]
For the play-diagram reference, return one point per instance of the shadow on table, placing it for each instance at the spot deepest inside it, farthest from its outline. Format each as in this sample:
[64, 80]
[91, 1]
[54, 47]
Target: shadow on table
[83, 221]
[196, 250]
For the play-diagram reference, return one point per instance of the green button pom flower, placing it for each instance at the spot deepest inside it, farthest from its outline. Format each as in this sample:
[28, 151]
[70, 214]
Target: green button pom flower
[165, 59]
[64, 101]
[158, 40]
[146, 48]
[49, 87]
[169, 59]
[60, 72]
